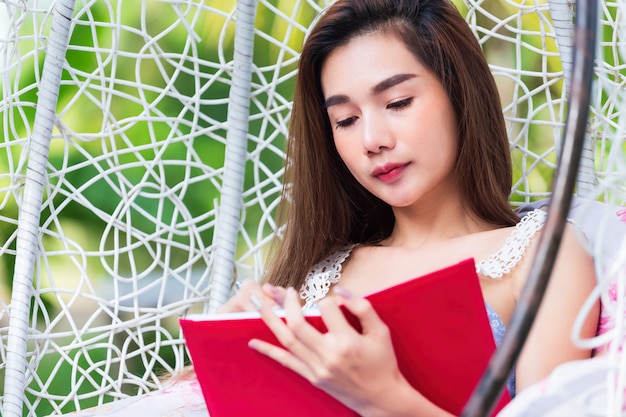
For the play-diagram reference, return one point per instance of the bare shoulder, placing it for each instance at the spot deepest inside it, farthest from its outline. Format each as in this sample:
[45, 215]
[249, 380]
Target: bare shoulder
[573, 263]
[574, 259]
[550, 341]
[574, 240]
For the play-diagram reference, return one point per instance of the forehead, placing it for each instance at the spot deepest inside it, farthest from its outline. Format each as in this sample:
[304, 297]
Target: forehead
[366, 60]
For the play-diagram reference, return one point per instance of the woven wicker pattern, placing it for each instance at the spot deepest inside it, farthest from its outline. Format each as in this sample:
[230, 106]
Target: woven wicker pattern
[133, 185]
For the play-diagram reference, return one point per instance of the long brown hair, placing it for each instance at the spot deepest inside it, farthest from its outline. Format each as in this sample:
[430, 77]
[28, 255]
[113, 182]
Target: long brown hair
[324, 206]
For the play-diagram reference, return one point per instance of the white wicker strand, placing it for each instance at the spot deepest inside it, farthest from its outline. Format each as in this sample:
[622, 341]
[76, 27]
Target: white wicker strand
[228, 219]
[28, 223]
[562, 13]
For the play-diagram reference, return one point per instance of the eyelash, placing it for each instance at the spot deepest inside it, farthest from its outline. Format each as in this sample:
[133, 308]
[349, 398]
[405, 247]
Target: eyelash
[400, 104]
[395, 106]
[345, 123]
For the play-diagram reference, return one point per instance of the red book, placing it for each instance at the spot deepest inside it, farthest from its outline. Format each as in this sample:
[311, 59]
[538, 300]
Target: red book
[440, 332]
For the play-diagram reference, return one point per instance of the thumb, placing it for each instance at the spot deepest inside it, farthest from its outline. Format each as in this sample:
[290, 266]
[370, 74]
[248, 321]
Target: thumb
[362, 312]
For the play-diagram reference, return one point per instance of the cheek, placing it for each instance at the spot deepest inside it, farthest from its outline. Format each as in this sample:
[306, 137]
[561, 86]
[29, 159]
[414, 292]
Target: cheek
[343, 149]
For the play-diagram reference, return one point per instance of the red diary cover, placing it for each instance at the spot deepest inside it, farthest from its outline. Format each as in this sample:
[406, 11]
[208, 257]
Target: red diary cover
[440, 333]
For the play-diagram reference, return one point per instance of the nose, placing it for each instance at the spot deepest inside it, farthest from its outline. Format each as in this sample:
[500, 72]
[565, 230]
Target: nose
[377, 135]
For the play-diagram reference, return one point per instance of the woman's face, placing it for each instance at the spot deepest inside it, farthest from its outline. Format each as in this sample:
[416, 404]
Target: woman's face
[393, 123]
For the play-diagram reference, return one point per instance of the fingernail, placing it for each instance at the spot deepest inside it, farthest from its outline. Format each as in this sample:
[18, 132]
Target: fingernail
[256, 301]
[277, 295]
[342, 292]
[270, 288]
[291, 291]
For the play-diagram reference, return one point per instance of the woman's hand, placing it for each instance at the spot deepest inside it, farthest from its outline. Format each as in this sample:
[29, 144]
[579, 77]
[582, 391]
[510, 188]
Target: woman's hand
[358, 369]
[251, 296]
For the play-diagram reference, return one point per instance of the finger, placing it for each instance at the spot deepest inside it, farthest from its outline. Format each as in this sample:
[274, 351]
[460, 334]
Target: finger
[363, 310]
[297, 323]
[294, 334]
[334, 318]
[274, 292]
[243, 300]
[234, 304]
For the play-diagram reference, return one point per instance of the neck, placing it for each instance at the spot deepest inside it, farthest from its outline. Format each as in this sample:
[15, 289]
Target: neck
[417, 227]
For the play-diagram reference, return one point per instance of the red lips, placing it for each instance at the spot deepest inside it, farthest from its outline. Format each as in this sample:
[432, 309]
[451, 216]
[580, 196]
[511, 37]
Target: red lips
[389, 172]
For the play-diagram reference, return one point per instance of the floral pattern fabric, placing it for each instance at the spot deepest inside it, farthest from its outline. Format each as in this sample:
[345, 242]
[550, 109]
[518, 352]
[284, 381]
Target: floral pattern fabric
[181, 397]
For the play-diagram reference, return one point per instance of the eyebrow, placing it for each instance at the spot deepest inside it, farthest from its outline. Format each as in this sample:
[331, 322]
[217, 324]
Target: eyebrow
[377, 89]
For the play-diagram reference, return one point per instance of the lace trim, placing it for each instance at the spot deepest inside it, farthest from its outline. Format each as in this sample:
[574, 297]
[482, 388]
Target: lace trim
[328, 272]
[500, 263]
[322, 276]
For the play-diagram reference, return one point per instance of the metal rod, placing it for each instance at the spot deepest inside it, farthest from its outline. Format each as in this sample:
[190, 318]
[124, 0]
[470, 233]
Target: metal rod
[490, 387]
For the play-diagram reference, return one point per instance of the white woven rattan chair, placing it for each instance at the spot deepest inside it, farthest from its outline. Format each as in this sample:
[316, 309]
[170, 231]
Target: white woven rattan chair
[140, 168]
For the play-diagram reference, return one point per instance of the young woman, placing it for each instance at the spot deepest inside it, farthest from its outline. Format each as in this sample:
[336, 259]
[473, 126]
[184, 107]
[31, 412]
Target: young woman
[399, 165]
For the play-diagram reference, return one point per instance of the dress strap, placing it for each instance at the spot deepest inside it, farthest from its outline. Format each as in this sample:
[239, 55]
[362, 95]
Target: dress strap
[500, 263]
[322, 276]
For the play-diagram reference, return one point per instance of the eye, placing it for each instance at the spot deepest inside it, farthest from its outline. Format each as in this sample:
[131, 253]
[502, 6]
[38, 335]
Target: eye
[400, 104]
[345, 123]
